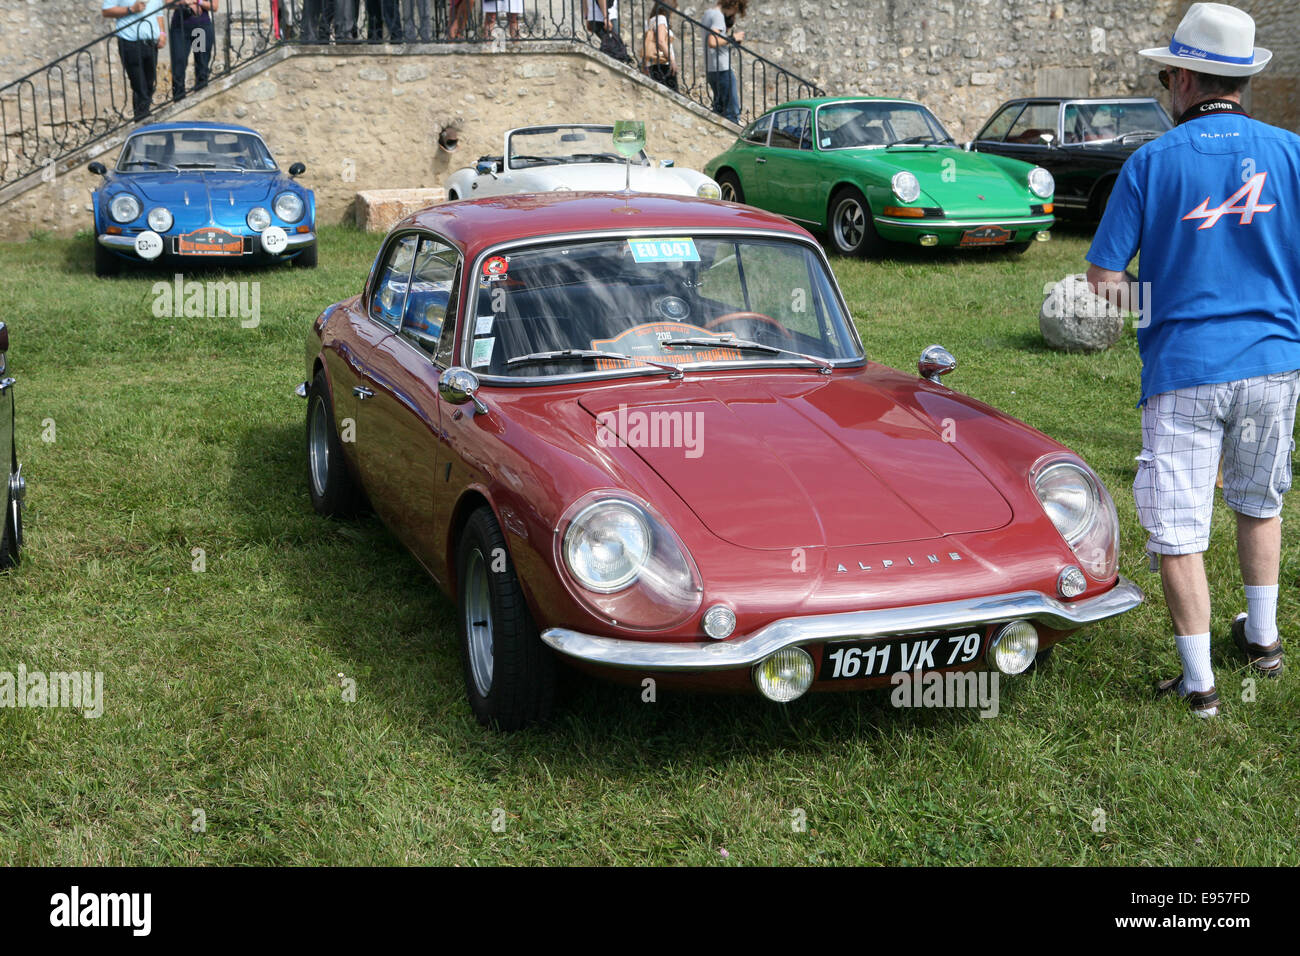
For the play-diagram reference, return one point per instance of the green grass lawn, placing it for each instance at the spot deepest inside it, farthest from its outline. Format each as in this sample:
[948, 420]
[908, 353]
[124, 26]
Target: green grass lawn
[222, 690]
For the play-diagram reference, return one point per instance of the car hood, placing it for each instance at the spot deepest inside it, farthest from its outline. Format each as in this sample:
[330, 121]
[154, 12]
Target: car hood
[197, 198]
[956, 180]
[602, 177]
[789, 460]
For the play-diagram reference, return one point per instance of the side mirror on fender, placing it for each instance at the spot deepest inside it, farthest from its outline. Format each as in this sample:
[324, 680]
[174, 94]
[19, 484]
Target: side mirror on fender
[485, 168]
[935, 362]
[98, 168]
[297, 169]
[458, 386]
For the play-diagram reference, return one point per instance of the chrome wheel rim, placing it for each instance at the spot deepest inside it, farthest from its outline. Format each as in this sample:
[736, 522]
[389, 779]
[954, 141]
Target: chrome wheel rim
[728, 192]
[318, 447]
[478, 622]
[850, 224]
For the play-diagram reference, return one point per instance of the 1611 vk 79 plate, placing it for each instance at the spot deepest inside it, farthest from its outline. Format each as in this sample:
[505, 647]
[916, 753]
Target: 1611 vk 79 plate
[855, 660]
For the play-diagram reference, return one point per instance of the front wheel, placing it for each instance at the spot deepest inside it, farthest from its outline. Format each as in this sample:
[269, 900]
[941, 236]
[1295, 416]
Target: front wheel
[851, 229]
[729, 187]
[11, 535]
[509, 672]
[333, 492]
[106, 263]
[306, 259]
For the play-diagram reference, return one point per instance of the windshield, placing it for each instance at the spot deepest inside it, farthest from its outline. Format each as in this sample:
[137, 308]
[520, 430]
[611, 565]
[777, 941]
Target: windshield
[738, 300]
[194, 149]
[1095, 122]
[846, 125]
[553, 145]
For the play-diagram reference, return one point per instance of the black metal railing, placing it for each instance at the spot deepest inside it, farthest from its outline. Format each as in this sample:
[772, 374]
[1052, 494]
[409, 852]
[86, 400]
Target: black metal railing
[83, 96]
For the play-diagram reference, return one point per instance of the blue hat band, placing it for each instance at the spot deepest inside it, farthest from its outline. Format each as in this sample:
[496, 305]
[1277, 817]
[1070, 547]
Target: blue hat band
[1182, 49]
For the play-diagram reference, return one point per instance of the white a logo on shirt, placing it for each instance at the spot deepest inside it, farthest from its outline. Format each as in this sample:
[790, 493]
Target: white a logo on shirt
[1247, 196]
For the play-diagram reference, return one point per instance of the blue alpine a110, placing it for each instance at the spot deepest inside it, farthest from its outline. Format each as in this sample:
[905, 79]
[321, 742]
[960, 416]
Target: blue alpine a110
[190, 192]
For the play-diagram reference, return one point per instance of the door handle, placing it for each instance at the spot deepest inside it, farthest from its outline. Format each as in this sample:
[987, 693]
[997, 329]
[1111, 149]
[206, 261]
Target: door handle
[361, 392]
[760, 161]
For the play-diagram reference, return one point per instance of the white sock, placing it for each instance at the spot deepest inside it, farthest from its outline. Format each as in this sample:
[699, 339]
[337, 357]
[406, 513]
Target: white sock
[1261, 614]
[1194, 649]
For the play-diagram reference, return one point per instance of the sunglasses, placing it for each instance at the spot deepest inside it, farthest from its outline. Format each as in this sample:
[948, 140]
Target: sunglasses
[1165, 76]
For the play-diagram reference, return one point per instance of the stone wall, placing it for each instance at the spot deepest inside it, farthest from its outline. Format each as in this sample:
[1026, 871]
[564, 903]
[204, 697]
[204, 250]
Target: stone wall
[361, 119]
[964, 57]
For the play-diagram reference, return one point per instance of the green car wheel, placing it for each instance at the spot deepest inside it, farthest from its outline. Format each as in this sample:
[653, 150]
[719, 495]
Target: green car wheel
[852, 232]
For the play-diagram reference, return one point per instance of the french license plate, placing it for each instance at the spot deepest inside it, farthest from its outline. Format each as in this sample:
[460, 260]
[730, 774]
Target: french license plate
[210, 242]
[986, 236]
[855, 660]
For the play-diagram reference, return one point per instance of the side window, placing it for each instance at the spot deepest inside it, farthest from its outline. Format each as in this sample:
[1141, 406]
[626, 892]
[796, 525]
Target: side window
[388, 297]
[997, 128]
[444, 356]
[757, 131]
[429, 294]
[789, 128]
[805, 130]
[1029, 127]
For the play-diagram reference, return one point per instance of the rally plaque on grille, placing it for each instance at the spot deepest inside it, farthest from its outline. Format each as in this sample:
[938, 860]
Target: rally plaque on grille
[210, 242]
[986, 236]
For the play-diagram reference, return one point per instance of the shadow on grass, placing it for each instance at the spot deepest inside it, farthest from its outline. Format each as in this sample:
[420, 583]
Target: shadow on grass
[374, 605]
[79, 260]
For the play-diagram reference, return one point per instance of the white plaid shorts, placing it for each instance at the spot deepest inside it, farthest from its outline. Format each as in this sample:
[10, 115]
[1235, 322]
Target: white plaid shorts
[1251, 420]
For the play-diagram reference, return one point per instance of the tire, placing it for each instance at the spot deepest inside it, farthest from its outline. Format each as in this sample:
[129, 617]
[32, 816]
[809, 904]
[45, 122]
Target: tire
[1101, 199]
[306, 259]
[11, 535]
[333, 492]
[1019, 248]
[106, 263]
[729, 184]
[849, 225]
[1040, 659]
[509, 673]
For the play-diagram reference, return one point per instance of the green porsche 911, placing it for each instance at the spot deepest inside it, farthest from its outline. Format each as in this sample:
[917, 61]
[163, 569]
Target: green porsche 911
[871, 170]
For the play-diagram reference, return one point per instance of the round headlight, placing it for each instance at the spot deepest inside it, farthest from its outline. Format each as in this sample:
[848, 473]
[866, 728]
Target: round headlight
[159, 219]
[1041, 183]
[289, 206]
[906, 186]
[607, 545]
[785, 675]
[709, 191]
[1084, 514]
[1069, 498]
[1013, 648]
[258, 219]
[124, 207]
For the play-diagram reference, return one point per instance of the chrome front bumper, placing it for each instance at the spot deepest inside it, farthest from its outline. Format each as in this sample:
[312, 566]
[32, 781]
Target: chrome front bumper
[931, 225]
[295, 240]
[853, 625]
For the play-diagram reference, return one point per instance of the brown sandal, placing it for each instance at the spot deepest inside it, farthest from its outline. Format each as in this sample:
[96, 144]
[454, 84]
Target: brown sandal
[1203, 703]
[1259, 655]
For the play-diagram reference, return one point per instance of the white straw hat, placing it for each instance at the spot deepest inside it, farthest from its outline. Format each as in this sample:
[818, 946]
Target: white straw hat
[1214, 38]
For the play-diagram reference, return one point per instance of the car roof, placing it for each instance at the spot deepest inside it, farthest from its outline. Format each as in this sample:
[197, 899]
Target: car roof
[1081, 99]
[825, 100]
[476, 224]
[169, 127]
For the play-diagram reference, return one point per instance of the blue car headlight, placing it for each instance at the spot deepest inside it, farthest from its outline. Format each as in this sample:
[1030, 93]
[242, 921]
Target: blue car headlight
[159, 219]
[124, 208]
[289, 206]
[258, 219]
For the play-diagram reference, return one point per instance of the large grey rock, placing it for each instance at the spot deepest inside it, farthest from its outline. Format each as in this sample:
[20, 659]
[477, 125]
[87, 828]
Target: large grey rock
[1075, 320]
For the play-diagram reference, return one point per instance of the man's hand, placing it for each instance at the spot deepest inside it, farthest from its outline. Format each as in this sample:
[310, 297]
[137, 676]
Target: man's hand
[738, 35]
[137, 7]
[1108, 285]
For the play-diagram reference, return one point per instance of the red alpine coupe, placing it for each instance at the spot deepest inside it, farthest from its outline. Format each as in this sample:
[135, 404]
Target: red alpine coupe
[641, 435]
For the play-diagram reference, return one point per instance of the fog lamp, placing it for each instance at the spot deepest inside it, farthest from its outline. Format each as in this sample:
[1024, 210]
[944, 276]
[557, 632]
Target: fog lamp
[1043, 236]
[929, 240]
[1013, 647]
[784, 675]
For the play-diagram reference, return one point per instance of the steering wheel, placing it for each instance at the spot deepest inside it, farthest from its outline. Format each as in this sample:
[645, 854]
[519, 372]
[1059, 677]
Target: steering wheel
[752, 316]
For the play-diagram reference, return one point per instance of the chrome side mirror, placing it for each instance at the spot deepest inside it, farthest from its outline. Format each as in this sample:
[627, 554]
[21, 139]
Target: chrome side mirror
[485, 168]
[458, 386]
[1048, 138]
[935, 361]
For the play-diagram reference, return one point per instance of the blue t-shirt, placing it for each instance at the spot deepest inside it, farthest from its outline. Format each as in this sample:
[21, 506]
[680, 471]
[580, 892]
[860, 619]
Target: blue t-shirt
[1214, 205]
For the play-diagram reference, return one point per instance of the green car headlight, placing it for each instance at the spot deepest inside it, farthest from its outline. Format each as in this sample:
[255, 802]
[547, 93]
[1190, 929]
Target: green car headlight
[906, 186]
[1041, 183]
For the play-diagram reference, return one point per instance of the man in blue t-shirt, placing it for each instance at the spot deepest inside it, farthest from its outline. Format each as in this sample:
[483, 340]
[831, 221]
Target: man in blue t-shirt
[1214, 206]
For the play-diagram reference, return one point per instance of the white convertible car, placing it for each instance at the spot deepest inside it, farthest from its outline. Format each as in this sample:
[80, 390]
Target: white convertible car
[539, 159]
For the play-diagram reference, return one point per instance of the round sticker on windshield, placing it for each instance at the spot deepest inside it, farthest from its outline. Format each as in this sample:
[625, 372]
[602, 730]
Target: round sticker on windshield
[496, 266]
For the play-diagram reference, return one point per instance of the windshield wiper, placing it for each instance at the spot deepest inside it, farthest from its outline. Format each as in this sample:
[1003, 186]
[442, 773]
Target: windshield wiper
[730, 341]
[148, 162]
[924, 138]
[592, 354]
